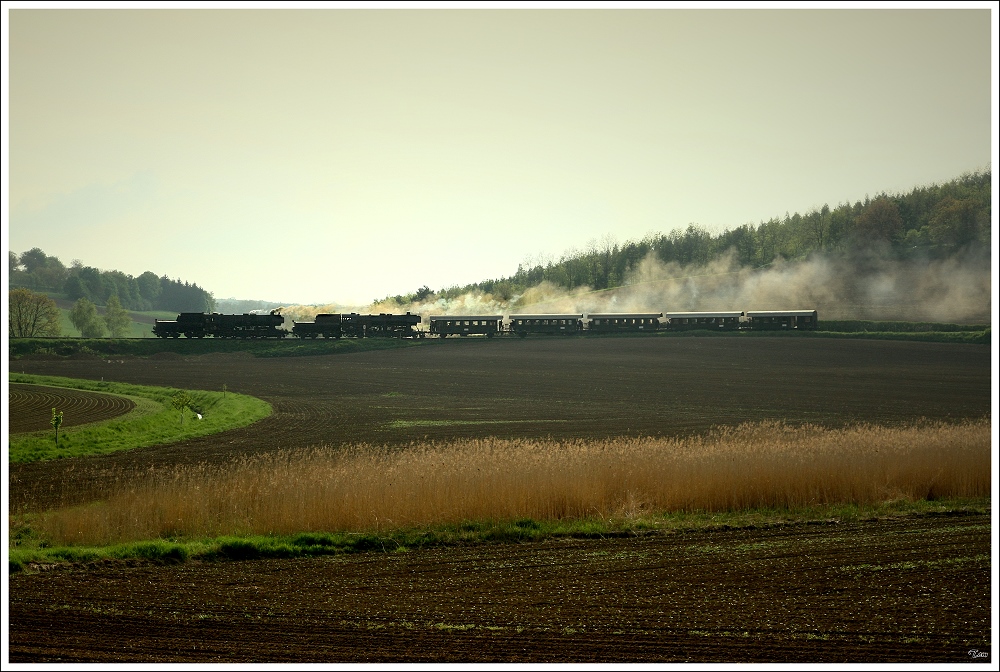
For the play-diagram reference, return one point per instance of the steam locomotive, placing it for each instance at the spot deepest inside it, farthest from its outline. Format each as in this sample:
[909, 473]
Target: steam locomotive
[354, 325]
[218, 325]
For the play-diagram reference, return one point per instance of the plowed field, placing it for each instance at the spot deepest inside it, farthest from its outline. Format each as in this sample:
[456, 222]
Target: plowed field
[30, 407]
[909, 590]
[886, 591]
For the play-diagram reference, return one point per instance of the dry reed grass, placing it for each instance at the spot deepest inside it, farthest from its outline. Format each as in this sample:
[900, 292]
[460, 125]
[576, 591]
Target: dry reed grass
[360, 488]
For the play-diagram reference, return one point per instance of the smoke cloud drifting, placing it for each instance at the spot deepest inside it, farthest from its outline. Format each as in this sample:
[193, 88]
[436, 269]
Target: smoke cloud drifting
[955, 289]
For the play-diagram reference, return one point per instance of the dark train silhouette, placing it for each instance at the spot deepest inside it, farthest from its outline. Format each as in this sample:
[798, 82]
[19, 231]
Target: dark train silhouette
[354, 325]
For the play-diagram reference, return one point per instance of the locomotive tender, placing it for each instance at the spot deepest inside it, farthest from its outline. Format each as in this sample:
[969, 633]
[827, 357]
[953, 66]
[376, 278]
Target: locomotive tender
[354, 325]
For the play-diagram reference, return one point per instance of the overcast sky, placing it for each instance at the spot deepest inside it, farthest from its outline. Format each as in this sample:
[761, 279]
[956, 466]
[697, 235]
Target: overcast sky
[342, 155]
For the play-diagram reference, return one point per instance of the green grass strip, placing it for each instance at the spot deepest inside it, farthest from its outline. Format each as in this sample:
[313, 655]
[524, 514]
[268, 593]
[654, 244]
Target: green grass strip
[971, 337]
[153, 421]
[100, 348]
[405, 424]
[29, 553]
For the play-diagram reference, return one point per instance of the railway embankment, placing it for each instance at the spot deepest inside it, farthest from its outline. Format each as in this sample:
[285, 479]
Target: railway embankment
[97, 348]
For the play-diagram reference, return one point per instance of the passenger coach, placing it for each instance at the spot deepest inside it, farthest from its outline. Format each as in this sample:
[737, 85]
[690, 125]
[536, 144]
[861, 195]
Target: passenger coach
[726, 320]
[613, 322]
[556, 323]
[464, 325]
[766, 320]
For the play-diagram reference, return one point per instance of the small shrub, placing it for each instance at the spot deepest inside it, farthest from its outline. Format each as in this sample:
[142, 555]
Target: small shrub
[239, 549]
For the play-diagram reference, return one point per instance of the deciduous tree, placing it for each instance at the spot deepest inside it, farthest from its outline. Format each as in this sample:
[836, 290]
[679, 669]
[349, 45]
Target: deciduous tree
[32, 314]
[85, 318]
[953, 223]
[181, 401]
[33, 259]
[117, 318]
[57, 418]
[879, 222]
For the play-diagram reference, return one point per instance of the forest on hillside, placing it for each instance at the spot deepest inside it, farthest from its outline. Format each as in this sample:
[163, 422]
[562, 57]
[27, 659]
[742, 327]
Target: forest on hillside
[930, 224]
[40, 272]
[926, 252]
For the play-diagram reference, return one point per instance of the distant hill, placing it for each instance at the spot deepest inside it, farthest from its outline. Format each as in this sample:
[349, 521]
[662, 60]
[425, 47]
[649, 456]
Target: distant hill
[38, 271]
[927, 225]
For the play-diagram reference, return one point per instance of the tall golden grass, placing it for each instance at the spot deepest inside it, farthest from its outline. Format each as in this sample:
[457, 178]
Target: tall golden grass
[361, 488]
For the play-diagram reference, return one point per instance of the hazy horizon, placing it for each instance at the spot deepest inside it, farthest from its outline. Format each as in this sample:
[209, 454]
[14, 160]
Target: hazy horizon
[343, 155]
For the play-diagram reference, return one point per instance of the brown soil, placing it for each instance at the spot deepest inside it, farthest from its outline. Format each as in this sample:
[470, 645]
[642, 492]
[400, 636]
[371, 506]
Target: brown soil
[907, 590]
[563, 388]
[30, 407]
[887, 591]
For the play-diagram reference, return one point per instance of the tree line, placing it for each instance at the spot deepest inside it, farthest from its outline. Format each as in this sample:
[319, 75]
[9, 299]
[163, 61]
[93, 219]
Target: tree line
[32, 314]
[35, 270]
[930, 222]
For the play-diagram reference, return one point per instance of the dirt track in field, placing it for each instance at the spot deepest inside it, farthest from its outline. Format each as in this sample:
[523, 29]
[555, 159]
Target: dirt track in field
[914, 590]
[890, 591]
[30, 407]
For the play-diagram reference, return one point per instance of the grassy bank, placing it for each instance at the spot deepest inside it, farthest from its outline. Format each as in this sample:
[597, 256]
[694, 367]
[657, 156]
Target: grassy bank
[153, 421]
[888, 326]
[30, 553]
[101, 348]
[970, 337]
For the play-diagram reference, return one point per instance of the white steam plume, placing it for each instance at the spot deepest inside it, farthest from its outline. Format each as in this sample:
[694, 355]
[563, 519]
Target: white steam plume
[955, 289]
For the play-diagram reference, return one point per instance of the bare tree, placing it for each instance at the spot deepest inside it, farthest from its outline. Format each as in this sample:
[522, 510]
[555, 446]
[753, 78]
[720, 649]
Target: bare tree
[32, 314]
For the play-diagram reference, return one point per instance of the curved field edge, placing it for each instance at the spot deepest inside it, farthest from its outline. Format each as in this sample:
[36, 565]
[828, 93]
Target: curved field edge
[29, 554]
[143, 407]
[154, 420]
